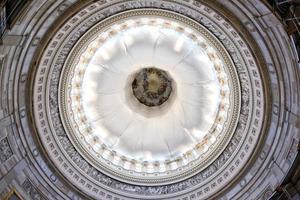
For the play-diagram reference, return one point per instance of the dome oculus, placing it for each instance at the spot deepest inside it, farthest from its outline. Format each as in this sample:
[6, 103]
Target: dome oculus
[152, 87]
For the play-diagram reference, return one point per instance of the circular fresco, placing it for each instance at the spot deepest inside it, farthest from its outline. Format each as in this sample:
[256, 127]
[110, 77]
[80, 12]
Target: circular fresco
[152, 87]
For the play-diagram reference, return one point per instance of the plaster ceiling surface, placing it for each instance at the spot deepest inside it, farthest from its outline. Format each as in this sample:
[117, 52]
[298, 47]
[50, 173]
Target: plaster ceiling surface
[169, 137]
[154, 99]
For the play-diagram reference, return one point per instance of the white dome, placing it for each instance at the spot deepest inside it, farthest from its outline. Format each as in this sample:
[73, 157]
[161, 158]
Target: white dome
[147, 99]
[116, 125]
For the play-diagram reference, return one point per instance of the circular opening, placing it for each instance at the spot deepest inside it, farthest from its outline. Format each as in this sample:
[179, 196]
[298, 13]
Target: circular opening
[152, 86]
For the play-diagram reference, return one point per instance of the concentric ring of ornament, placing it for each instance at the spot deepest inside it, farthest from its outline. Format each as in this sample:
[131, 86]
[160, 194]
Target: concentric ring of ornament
[90, 180]
[87, 138]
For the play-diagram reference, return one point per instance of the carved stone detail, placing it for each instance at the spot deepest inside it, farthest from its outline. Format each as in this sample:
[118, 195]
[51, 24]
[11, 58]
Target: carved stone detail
[32, 191]
[5, 150]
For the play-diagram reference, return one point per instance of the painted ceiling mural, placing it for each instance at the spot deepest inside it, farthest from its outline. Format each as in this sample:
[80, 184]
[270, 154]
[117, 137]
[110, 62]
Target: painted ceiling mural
[147, 99]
